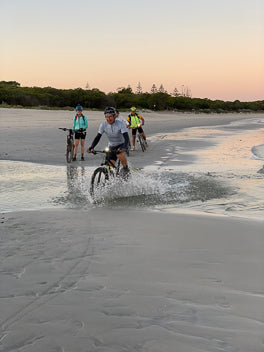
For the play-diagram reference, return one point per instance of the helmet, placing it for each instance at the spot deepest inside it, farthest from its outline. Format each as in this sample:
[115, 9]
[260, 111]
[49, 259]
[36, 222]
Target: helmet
[78, 108]
[110, 110]
[133, 108]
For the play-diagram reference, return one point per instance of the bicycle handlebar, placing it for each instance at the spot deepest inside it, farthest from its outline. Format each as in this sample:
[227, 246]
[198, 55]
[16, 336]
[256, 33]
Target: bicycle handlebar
[107, 151]
[65, 129]
[98, 151]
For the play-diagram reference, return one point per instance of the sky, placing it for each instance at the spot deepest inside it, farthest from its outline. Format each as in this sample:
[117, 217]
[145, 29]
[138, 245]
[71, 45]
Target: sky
[213, 48]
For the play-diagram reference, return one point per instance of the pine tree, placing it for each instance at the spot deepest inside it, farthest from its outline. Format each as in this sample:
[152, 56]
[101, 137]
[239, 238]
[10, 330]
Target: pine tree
[188, 92]
[161, 89]
[139, 89]
[175, 93]
[154, 89]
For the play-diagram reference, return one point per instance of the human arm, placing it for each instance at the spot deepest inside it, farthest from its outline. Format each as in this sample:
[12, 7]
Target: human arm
[85, 121]
[73, 125]
[126, 137]
[141, 118]
[94, 143]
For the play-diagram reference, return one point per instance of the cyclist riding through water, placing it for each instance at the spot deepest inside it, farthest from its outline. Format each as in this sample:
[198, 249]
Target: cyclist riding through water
[135, 121]
[80, 123]
[117, 134]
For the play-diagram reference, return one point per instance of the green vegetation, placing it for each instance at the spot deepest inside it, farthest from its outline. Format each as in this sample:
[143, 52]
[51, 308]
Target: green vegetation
[12, 94]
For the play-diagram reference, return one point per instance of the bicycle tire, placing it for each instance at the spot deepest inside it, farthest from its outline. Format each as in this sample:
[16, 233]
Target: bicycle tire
[142, 143]
[69, 152]
[99, 177]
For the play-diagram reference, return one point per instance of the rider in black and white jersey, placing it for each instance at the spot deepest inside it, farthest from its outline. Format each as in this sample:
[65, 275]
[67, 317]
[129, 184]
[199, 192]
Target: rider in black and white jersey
[117, 134]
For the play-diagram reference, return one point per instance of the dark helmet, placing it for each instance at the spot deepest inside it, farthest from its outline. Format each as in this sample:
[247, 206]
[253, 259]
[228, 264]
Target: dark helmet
[110, 110]
[78, 108]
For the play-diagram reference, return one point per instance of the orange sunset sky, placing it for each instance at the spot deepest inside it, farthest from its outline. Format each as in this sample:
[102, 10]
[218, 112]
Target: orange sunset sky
[215, 48]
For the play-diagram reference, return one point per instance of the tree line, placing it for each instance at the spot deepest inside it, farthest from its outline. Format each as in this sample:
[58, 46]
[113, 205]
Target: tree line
[12, 94]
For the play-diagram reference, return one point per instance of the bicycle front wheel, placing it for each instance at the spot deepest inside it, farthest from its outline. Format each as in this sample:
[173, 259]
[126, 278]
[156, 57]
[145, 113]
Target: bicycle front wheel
[99, 178]
[69, 152]
[141, 142]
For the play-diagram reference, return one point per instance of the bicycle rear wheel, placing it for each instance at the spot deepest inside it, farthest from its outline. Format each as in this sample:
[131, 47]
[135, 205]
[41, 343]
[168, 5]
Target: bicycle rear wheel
[142, 142]
[69, 152]
[99, 178]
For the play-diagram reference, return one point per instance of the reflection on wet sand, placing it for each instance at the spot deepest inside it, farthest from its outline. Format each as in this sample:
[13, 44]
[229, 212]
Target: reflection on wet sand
[73, 174]
[77, 185]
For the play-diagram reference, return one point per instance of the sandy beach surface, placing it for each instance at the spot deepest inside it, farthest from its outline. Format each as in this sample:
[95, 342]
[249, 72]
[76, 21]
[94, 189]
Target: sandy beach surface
[176, 266]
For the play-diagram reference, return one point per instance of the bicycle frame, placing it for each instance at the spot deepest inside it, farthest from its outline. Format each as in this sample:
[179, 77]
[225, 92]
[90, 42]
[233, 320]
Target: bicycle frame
[70, 144]
[107, 162]
[140, 140]
[102, 173]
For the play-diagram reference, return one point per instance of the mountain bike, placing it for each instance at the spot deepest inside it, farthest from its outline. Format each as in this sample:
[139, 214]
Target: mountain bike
[141, 140]
[70, 144]
[107, 170]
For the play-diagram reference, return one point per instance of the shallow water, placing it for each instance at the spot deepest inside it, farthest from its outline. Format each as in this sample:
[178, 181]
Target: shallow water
[223, 178]
[31, 186]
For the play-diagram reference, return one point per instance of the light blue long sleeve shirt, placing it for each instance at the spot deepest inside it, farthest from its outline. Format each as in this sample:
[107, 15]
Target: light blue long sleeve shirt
[78, 123]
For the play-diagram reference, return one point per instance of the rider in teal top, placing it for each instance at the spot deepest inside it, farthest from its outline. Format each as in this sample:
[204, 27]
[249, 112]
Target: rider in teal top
[80, 123]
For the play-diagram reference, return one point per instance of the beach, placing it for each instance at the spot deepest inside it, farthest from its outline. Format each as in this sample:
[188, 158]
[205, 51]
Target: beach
[173, 264]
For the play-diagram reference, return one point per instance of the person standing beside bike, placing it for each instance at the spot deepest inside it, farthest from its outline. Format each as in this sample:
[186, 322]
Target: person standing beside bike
[135, 121]
[80, 124]
[117, 134]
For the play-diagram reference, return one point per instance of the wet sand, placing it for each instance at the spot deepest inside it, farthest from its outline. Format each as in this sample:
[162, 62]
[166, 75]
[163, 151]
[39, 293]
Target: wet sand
[124, 280]
[33, 135]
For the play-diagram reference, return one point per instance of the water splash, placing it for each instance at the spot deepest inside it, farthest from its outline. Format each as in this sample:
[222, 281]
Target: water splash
[152, 189]
[40, 186]
[258, 152]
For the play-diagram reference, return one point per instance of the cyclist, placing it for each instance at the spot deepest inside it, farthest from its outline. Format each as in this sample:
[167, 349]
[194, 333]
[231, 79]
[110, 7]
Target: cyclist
[134, 119]
[122, 118]
[80, 123]
[117, 134]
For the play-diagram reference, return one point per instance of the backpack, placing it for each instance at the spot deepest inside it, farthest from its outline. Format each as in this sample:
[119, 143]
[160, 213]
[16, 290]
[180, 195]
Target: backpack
[76, 117]
[129, 118]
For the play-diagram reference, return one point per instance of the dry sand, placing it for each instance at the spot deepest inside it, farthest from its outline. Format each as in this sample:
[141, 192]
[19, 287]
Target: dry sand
[112, 280]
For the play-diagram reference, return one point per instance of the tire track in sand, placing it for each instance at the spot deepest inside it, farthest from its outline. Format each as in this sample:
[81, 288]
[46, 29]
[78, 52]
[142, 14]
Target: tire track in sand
[52, 291]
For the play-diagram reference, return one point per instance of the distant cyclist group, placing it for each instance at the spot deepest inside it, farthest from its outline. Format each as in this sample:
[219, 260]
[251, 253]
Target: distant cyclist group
[116, 127]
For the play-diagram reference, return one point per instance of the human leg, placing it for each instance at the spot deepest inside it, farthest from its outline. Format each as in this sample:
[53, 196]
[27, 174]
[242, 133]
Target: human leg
[122, 157]
[82, 148]
[134, 132]
[143, 135]
[76, 146]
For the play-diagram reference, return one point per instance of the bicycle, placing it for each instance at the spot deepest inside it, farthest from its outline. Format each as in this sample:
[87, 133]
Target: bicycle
[70, 144]
[141, 140]
[103, 173]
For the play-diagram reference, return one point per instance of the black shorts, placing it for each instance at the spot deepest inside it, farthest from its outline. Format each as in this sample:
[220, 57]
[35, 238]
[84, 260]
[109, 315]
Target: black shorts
[80, 135]
[113, 150]
[134, 130]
